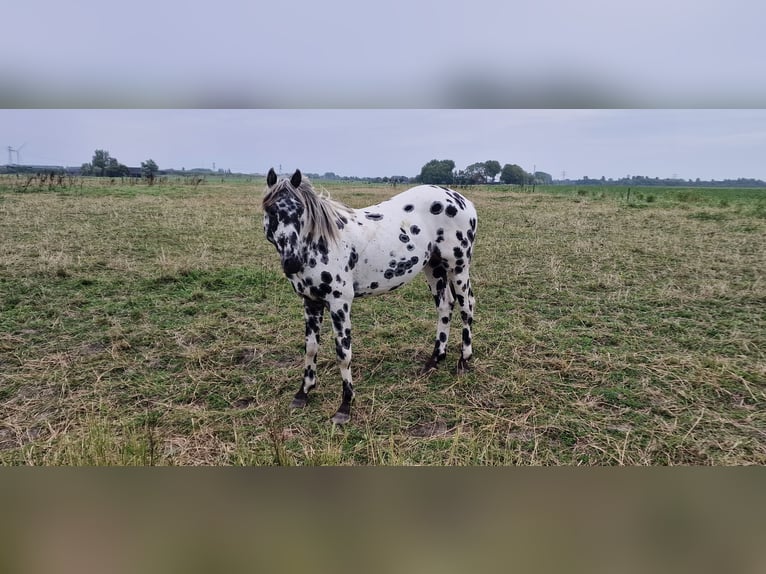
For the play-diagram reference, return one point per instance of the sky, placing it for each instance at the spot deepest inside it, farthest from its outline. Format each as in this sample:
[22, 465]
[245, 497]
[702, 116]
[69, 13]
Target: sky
[398, 53]
[573, 143]
[593, 87]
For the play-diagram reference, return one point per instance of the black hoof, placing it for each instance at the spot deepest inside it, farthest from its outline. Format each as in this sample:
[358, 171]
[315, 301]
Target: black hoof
[340, 418]
[429, 367]
[298, 403]
[463, 366]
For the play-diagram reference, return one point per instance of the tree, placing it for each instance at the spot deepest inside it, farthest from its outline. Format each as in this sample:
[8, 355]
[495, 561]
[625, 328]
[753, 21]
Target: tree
[116, 169]
[437, 172]
[543, 178]
[491, 169]
[149, 169]
[100, 161]
[476, 173]
[514, 174]
[104, 164]
[458, 178]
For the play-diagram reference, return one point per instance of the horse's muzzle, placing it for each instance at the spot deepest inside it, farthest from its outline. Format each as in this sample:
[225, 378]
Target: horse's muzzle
[291, 265]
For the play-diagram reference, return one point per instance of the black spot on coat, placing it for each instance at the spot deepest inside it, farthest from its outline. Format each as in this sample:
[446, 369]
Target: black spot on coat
[352, 258]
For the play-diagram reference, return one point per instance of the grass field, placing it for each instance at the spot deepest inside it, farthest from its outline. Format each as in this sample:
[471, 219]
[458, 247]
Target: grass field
[153, 326]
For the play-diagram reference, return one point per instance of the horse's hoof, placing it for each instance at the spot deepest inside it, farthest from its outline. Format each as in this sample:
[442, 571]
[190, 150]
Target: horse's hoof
[429, 367]
[463, 366]
[298, 403]
[340, 418]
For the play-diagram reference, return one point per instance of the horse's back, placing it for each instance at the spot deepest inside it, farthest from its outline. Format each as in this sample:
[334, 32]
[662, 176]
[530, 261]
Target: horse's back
[396, 238]
[426, 200]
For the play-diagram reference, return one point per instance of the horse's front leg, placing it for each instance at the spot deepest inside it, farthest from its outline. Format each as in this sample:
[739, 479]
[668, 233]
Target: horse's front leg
[340, 312]
[313, 312]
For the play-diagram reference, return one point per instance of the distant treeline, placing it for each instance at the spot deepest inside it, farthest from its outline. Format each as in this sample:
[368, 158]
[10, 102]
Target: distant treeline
[77, 170]
[641, 180]
[457, 177]
[623, 181]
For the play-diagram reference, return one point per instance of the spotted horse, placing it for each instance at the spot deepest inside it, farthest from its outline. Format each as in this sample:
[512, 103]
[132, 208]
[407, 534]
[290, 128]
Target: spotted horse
[332, 254]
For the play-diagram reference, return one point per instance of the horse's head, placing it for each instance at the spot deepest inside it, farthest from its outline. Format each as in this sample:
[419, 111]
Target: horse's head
[283, 219]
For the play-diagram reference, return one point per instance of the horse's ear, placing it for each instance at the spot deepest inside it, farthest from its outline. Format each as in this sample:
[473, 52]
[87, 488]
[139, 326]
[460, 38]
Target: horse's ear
[271, 178]
[296, 178]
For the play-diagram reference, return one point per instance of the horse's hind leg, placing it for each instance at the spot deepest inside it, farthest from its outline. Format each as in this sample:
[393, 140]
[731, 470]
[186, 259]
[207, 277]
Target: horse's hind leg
[313, 312]
[461, 284]
[340, 312]
[436, 275]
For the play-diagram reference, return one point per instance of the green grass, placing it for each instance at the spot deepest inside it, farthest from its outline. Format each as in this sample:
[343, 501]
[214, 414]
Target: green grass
[146, 326]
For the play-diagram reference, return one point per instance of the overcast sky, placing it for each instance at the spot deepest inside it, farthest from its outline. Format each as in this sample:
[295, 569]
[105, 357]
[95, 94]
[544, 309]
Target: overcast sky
[709, 144]
[398, 53]
[560, 59]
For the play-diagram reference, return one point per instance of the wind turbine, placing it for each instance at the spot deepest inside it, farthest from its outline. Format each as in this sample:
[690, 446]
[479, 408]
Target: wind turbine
[11, 151]
[18, 149]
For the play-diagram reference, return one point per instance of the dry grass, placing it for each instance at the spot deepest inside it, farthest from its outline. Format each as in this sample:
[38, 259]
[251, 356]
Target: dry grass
[153, 326]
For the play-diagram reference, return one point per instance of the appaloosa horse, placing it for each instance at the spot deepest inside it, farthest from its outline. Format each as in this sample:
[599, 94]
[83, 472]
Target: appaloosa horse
[332, 254]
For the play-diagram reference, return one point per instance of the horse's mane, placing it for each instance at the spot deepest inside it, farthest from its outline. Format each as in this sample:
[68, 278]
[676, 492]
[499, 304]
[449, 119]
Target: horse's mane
[323, 214]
